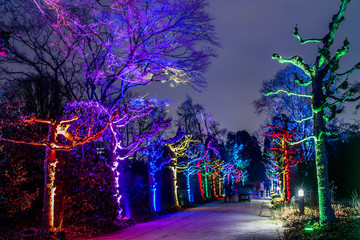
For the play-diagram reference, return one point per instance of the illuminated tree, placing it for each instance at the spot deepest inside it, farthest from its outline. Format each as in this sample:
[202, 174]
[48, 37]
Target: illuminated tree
[156, 162]
[179, 150]
[117, 45]
[195, 158]
[250, 151]
[293, 106]
[124, 146]
[195, 121]
[216, 167]
[234, 166]
[329, 88]
[272, 170]
[63, 135]
[83, 123]
[284, 153]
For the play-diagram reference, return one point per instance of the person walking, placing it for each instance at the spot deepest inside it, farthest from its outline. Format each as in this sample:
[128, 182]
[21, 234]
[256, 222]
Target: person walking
[228, 191]
[262, 188]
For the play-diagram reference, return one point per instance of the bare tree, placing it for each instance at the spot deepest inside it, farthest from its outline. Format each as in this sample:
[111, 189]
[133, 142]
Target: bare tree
[328, 89]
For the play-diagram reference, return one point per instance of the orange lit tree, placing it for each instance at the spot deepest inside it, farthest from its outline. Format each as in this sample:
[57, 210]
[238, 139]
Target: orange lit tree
[83, 123]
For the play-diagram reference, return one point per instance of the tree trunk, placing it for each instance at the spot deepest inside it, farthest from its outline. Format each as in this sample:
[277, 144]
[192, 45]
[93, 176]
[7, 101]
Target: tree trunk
[214, 185]
[47, 223]
[287, 180]
[200, 182]
[153, 197]
[326, 212]
[188, 185]
[175, 186]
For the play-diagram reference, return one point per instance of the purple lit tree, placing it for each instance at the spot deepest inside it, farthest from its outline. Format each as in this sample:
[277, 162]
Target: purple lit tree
[99, 50]
[124, 145]
[123, 44]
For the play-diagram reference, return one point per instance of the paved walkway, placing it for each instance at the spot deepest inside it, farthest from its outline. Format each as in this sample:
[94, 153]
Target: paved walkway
[212, 221]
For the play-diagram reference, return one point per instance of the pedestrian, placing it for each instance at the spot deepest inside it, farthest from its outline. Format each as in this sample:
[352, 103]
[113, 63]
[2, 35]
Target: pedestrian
[267, 189]
[228, 191]
[262, 188]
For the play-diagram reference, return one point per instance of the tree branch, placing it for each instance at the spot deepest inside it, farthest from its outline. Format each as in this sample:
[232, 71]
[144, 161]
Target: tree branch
[297, 61]
[302, 41]
[288, 93]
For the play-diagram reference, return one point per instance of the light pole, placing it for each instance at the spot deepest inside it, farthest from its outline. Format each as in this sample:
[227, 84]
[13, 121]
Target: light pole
[301, 201]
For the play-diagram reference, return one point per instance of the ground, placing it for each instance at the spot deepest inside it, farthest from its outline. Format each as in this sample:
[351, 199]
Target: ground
[216, 220]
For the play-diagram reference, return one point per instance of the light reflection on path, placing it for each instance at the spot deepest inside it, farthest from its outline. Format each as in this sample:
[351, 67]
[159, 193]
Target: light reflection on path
[217, 220]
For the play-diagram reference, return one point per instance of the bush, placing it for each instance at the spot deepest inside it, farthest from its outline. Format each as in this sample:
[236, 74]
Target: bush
[277, 203]
[307, 227]
[355, 202]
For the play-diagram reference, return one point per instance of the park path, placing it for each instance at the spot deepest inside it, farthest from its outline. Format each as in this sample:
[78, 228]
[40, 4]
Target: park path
[211, 221]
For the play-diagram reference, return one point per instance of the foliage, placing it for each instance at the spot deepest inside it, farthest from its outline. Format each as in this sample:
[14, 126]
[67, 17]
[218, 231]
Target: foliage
[251, 151]
[85, 185]
[307, 227]
[277, 202]
[16, 195]
[355, 202]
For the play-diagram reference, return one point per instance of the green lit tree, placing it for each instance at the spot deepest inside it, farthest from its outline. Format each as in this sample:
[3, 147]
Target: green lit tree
[329, 89]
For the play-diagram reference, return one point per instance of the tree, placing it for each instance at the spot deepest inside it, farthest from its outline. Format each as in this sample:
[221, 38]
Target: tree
[125, 44]
[328, 90]
[284, 152]
[179, 150]
[189, 118]
[295, 107]
[84, 122]
[36, 51]
[251, 150]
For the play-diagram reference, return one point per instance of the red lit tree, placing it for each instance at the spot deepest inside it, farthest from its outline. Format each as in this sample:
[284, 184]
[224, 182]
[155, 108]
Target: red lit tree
[284, 153]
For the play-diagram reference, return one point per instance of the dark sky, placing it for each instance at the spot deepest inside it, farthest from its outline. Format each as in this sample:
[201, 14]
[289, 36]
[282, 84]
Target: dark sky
[250, 32]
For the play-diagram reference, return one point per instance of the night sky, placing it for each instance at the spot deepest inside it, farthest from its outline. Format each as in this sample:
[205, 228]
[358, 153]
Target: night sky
[250, 31]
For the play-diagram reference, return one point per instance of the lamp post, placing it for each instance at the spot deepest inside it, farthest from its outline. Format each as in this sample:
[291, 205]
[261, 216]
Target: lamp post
[301, 201]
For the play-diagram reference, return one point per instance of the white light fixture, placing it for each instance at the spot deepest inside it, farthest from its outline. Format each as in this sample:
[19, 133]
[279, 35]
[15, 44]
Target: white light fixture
[301, 193]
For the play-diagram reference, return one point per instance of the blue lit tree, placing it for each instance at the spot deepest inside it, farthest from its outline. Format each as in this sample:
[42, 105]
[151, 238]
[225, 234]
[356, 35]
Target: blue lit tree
[195, 155]
[157, 160]
[234, 167]
[272, 170]
[295, 107]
